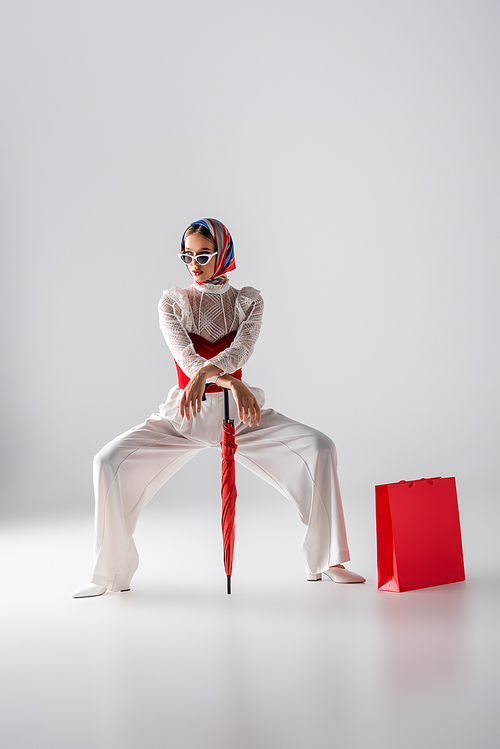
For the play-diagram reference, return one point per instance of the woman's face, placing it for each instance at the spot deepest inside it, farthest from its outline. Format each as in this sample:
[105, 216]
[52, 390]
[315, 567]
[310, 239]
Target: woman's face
[194, 245]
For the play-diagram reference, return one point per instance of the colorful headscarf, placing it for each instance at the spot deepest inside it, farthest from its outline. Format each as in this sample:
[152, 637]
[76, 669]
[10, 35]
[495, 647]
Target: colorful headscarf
[223, 244]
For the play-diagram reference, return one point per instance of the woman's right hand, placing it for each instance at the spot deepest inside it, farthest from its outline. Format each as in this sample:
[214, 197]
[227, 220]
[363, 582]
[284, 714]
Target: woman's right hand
[190, 402]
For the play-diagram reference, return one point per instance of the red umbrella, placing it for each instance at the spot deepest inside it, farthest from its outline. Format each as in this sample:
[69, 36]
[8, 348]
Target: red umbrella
[228, 489]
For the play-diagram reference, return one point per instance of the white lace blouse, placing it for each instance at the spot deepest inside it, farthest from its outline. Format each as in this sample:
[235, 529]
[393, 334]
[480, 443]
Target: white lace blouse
[211, 311]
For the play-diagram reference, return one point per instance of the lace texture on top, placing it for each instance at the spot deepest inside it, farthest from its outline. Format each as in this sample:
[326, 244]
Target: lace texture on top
[211, 311]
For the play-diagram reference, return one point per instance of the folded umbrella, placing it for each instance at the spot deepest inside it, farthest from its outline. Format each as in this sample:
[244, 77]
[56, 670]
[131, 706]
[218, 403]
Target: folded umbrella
[228, 489]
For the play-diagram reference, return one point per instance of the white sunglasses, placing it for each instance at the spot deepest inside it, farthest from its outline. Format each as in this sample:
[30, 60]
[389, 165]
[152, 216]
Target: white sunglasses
[202, 259]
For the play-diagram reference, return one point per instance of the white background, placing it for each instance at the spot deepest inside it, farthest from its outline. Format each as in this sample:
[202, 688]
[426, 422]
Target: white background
[351, 149]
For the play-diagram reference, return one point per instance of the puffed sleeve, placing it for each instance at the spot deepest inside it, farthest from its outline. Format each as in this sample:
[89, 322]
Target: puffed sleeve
[177, 338]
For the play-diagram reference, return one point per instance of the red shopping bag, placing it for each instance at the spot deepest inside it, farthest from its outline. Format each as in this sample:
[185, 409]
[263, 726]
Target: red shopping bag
[419, 543]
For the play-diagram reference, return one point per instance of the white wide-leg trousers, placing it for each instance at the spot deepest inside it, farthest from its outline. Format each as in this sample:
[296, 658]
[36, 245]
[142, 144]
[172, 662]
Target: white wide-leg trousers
[299, 461]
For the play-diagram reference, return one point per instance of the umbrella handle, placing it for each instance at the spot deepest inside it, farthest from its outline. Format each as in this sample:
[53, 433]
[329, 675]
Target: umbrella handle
[226, 405]
[226, 401]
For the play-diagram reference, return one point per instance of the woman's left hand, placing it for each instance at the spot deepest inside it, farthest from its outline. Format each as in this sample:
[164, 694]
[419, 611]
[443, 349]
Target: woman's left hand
[248, 406]
[246, 402]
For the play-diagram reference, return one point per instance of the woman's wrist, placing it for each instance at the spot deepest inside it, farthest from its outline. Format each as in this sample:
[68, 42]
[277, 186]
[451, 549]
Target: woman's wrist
[233, 382]
[201, 375]
[209, 371]
[224, 380]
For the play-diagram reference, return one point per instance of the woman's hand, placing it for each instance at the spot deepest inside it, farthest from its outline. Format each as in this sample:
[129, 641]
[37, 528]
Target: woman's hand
[248, 408]
[190, 402]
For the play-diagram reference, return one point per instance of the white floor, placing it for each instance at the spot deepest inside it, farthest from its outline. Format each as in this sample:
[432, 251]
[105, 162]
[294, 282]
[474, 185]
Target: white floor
[176, 662]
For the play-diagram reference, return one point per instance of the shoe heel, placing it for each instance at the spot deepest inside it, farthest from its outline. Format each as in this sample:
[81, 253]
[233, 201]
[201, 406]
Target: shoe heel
[313, 578]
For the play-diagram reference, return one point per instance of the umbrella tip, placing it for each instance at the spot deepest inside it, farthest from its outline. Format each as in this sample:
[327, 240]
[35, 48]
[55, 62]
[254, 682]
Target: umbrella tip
[229, 583]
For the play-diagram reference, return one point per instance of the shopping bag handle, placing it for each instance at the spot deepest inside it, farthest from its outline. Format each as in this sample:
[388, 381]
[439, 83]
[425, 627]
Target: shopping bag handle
[410, 483]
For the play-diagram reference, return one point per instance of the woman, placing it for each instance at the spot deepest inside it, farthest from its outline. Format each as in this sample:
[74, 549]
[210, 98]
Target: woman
[211, 329]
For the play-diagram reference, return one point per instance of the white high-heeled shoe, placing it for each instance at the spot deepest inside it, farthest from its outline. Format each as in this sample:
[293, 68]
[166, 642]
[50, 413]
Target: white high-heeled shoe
[338, 575]
[90, 590]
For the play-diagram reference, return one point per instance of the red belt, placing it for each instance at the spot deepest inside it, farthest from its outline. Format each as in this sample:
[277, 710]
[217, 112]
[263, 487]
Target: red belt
[207, 350]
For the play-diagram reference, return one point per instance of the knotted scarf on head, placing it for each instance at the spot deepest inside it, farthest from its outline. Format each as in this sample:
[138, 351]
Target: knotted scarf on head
[223, 245]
